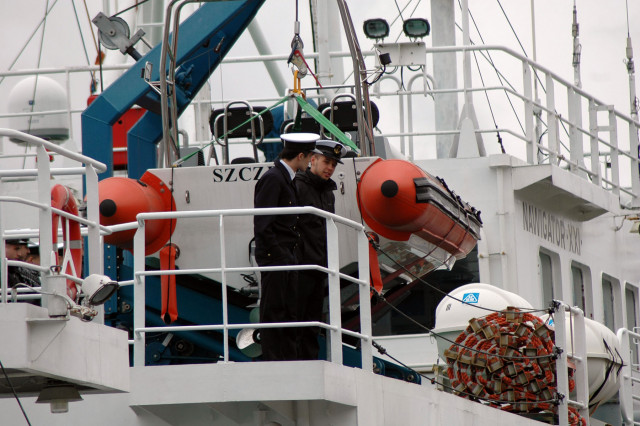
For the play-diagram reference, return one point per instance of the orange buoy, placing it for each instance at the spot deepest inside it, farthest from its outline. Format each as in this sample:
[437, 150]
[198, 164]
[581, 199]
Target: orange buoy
[121, 199]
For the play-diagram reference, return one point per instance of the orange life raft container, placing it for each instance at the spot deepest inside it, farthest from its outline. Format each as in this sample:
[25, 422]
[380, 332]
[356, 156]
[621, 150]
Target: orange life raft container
[398, 199]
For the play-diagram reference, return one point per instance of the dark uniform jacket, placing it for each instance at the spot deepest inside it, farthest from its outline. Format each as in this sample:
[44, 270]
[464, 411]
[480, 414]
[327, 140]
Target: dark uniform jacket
[316, 192]
[276, 235]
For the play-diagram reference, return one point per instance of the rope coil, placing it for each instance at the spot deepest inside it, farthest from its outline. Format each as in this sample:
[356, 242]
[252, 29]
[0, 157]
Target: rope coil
[507, 360]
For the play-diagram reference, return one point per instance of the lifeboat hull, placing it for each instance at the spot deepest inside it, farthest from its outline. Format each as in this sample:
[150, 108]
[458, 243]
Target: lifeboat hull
[397, 199]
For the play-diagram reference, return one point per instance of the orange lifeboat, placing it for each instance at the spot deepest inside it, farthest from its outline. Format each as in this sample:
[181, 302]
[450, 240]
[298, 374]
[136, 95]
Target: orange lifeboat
[398, 199]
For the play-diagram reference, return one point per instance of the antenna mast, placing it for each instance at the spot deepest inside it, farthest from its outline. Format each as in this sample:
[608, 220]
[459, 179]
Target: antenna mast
[577, 47]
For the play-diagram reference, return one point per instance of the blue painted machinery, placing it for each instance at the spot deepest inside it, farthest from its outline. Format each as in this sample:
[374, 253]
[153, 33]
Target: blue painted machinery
[205, 37]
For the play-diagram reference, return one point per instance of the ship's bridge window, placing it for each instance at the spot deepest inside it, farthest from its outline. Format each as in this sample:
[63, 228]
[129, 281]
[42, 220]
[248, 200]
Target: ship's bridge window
[610, 298]
[549, 270]
[581, 288]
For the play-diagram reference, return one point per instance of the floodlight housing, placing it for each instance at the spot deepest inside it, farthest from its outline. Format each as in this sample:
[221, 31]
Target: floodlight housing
[416, 27]
[376, 28]
[98, 289]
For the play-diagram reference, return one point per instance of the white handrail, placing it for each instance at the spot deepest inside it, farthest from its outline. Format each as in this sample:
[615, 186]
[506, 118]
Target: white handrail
[43, 204]
[34, 140]
[627, 398]
[578, 353]
[335, 330]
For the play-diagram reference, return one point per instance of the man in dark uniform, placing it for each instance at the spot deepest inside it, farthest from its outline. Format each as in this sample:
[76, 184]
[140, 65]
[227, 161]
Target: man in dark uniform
[276, 239]
[18, 249]
[315, 188]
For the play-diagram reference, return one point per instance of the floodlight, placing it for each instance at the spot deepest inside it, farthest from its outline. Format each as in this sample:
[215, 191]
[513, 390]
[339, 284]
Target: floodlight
[376, 28]
[58, 395]
[416, 27]
[98, 289]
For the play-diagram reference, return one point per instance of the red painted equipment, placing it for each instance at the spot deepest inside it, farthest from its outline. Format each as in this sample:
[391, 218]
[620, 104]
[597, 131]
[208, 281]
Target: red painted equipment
[121, 199]
[398, 199]
[119, 134]
[62, 199]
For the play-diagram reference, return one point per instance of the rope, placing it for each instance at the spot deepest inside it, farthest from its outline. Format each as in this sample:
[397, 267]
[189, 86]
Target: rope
[453, 342]
[84, 46]
[131, 7]
[24, 46]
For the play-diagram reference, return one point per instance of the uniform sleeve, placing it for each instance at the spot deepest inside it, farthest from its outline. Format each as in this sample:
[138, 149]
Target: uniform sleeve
[267, 194]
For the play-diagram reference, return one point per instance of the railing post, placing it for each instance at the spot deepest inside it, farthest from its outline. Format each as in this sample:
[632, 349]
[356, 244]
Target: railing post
[3, 264]
[532, 143]
[582, 382]
[625, 394]
[593, 137]
[225, 314]
[365, 302]
[93, 214]
[635, 166]
[613, 141]
[576, 154]
[552, 121]
[335, 314]
[139, 302]
[562, 377]
[45, 221]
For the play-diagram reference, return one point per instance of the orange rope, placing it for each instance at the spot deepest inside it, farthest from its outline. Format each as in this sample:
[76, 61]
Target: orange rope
[506, 362]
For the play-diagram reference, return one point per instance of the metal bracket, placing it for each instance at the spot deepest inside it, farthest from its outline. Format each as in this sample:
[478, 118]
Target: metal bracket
[114, 34]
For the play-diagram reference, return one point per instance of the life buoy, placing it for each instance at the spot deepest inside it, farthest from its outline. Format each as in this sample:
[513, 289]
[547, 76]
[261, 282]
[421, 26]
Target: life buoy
[63, 199]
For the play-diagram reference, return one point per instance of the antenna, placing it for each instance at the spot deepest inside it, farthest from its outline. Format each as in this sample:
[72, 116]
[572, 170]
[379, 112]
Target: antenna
[631, 71]
[577, 47]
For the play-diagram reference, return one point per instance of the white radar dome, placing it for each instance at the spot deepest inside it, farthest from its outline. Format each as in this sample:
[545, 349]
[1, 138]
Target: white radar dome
[452, 316]
[49, 96]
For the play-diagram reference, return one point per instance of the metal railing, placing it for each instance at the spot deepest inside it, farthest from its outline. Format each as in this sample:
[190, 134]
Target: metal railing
[629, 346]
[577, 352]
[334, 328]
[596, 151]
[43, 175]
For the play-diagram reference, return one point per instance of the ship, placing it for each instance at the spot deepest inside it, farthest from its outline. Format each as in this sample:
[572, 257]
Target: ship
[482, 257]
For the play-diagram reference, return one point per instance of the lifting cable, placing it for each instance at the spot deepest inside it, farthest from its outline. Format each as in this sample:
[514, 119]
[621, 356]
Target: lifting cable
[24, 46]
[35, 84]
[138, 3]
[13, 390]
[84, 46]
[490, 60]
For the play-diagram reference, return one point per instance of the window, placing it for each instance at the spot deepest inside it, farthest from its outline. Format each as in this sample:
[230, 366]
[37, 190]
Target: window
[549, 270]
[632, 314]
[546, 273]
[608, 301]
[581, 288]
[630, 297]
[577, 283]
